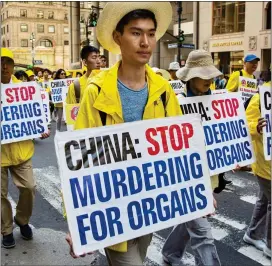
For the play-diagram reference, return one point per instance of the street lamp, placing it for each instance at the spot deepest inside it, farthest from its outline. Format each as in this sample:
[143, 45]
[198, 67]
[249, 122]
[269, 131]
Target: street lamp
[32, 39]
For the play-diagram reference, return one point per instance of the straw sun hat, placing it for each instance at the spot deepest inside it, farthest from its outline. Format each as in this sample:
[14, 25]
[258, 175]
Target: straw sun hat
[113, 12]
[198, 65]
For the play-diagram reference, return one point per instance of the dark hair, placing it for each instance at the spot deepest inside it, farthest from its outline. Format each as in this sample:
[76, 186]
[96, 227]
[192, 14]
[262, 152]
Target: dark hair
[20, 73]
[58, 74]
[103, 56]
[86, 50]
[135, 14]
[78, 73]
[46, 69]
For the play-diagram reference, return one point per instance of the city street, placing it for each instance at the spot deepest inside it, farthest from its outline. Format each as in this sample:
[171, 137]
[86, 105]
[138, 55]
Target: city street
[49, 247]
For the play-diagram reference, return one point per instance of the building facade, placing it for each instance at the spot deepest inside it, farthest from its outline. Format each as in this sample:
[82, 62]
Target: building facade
[230, 30]
[41, 31]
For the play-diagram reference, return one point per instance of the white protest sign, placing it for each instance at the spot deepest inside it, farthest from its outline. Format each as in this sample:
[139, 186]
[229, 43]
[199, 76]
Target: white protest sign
[219, 91]
[177, 86]
[59, 89]
[46, 107]
[119, 183]
[228, 142]
[247, 87]
[22, 113]
[45, 86]
[266, 100]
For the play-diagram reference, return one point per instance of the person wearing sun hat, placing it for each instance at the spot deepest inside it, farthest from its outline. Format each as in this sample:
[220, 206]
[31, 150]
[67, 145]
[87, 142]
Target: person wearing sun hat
[130, 90]
[16, 159]
[173, 68]
[250, 66]
[198, 73]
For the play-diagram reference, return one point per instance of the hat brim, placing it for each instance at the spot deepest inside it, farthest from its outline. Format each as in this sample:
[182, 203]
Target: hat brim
[257, 58]
[113, 12]
[203, 72]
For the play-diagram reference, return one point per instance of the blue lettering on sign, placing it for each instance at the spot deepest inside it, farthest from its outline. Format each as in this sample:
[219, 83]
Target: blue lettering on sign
[22, 129]
[268, 123]
[269, 146]
[229, 155]
[132, 207]
[108, 222]
[222, 132]
[134, 179]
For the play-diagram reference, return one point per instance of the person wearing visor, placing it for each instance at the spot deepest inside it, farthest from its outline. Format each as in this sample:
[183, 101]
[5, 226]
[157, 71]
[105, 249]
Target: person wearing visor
[173, 68]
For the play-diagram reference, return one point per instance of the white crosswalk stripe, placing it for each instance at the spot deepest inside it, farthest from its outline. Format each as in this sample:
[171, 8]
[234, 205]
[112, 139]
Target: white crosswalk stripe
[223, 226]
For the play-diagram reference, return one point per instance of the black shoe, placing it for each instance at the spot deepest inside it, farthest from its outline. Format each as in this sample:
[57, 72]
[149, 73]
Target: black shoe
[8, 241]
[227, 182]
[25, 230]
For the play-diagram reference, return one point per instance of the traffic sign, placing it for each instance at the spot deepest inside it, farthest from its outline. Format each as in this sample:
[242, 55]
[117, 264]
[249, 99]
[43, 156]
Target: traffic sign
[38, 62]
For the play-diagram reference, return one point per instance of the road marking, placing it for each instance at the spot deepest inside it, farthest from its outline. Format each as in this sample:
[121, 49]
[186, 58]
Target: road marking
[250, 199]
[219, 233]
[254, 254]
[48, 184]
[229, 221]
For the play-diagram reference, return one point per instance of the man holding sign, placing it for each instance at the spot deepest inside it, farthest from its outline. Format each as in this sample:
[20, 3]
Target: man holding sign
[261, 218]
[16, 157]
[130, 90]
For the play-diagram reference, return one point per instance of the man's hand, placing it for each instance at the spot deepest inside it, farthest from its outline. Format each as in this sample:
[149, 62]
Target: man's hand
[70, 243]
[45, 135]
[215, 207]
[261, 124]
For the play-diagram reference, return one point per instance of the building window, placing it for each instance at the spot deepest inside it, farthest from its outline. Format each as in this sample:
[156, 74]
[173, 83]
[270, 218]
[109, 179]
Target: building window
[24, 28]
[4, 30]
[7, 28]
[64, 3]
[46, 43]
[3, 43]
[40, 14]
[66, 30]
[50, 15]
[7, 14]
[268, 16]
[65, 16]
[7, 43]
[51, 29]
[40, 28]
[81, 4]
[24, 43]
[228, 17]
[23, 13]
[66, 42]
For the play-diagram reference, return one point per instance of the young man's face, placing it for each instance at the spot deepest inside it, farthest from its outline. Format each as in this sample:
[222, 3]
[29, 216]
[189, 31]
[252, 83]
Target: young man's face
[103, 62]
[32, 78]
[7, 68]
[201, 85]
[93, 61]
[137, 41]
[45, 74]
[251, 66]
[40, 74]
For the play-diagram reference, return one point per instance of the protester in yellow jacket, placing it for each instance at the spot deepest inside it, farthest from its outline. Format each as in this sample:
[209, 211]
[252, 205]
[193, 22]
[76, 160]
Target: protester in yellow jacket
[262, 170]
[90, 58]
[129, 28]
[250, 66]
[16, 159]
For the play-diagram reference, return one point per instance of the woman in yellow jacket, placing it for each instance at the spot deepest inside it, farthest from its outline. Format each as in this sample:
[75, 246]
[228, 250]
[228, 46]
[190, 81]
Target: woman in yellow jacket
[262, 170]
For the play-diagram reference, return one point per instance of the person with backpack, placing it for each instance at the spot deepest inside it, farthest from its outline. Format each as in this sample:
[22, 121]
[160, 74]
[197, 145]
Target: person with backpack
[198, 74]
[250, 66]
[90, 58]
[130, 90]
[258, 232]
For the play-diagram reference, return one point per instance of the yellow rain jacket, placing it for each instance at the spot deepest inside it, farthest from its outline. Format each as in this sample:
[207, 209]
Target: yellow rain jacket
[17, 152]
[109, 102]
[233, 83]
[261, 167]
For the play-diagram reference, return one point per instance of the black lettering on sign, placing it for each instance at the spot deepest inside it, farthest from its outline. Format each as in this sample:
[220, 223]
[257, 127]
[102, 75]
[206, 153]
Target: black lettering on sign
[92, 151]
[195, 108]
[111, 149]
[267, 100]
[127, 147]
[68, 155]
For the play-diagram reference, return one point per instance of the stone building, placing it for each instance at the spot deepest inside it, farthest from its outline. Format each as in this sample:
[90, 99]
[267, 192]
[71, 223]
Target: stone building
[230, 30]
